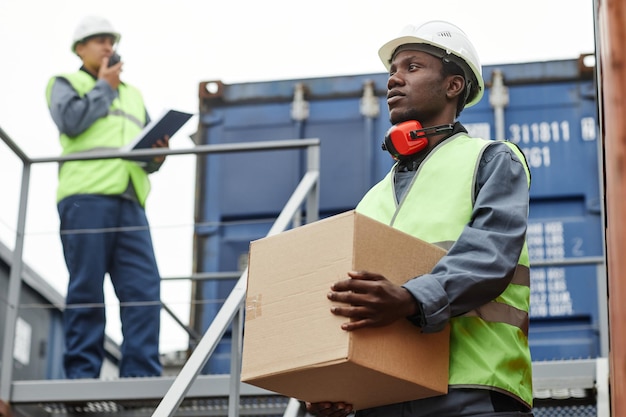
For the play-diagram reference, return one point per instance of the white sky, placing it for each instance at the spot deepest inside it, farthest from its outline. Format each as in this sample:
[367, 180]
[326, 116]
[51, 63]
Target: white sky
[168, 47]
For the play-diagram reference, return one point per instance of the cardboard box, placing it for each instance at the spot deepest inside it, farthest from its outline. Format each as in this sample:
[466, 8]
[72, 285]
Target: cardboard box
[293, 344]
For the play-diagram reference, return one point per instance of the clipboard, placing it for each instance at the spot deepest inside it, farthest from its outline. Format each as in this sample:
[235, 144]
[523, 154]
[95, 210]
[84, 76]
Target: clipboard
[168, 124]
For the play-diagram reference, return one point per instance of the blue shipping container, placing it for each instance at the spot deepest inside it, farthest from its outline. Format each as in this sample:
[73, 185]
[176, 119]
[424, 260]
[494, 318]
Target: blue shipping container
[551, 114]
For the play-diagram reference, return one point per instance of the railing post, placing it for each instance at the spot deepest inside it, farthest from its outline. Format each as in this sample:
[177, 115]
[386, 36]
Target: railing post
[313, 197]
[15, 285]
[235, 362]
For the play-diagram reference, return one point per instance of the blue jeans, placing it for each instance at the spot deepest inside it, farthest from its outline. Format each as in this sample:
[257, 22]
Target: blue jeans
[109, 234]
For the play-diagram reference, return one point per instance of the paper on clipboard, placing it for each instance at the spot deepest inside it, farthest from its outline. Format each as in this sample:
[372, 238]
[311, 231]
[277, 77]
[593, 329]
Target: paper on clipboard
[168, 124]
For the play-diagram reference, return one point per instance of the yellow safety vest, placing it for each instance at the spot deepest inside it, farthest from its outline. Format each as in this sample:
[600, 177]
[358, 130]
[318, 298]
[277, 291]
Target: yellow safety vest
[125, 119]
[489, 345]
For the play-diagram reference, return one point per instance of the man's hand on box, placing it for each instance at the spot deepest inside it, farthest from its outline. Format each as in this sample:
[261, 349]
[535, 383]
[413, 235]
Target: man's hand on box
[328, 409]
[370, 300]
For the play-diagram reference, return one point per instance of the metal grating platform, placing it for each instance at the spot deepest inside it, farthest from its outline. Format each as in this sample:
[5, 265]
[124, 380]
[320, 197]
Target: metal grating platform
[138, 397]
[266, 406]
[569, 411]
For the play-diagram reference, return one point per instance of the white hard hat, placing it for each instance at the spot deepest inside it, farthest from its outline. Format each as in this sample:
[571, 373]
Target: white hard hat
[93, 25]
[451, 41]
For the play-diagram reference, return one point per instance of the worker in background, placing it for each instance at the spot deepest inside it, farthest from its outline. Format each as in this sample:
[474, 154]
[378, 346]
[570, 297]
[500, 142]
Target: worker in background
[101, 203]
[468, 195]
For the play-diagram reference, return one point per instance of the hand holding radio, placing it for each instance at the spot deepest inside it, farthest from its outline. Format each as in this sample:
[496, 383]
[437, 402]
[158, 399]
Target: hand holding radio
[110, 70]
[114, 59]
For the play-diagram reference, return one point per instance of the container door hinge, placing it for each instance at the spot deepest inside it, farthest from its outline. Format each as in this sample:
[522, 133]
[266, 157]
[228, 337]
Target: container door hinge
[499, 99]
[369, 105]
[299, 106]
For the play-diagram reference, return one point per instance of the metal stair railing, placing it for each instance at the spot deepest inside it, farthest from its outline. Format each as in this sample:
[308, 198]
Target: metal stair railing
[232, 311]
[306, 193]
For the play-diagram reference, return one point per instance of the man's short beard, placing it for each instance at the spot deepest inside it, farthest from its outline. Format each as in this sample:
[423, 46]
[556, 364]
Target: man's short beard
[410, 114]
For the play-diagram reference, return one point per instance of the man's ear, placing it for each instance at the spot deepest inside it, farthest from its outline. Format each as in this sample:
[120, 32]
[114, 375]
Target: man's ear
[456, 85]
[79, 49]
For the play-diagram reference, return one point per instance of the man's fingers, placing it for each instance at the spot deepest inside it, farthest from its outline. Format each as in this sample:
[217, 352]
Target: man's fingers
[359, 316]
[327, 409]
[365, 275]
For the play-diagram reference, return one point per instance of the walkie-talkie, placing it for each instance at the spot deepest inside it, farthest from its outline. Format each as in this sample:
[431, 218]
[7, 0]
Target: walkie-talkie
[114, 59]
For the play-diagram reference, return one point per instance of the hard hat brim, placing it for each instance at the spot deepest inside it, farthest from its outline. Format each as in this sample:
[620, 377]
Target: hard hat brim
[116, 36]
[386, 51]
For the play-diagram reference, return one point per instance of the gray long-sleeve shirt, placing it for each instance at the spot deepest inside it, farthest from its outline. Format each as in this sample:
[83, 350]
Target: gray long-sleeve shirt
[477, 268]
[73, 114]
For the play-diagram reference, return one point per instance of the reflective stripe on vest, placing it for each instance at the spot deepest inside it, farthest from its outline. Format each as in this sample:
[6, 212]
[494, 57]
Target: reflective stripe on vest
[125, 119]
[130, 117]
[489, 345]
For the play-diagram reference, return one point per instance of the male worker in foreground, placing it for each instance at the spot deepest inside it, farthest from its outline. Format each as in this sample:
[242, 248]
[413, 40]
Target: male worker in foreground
[468, 195]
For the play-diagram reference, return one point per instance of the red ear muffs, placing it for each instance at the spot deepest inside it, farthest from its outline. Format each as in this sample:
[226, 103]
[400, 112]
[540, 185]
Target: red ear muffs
[408, 138]
[405, 139]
